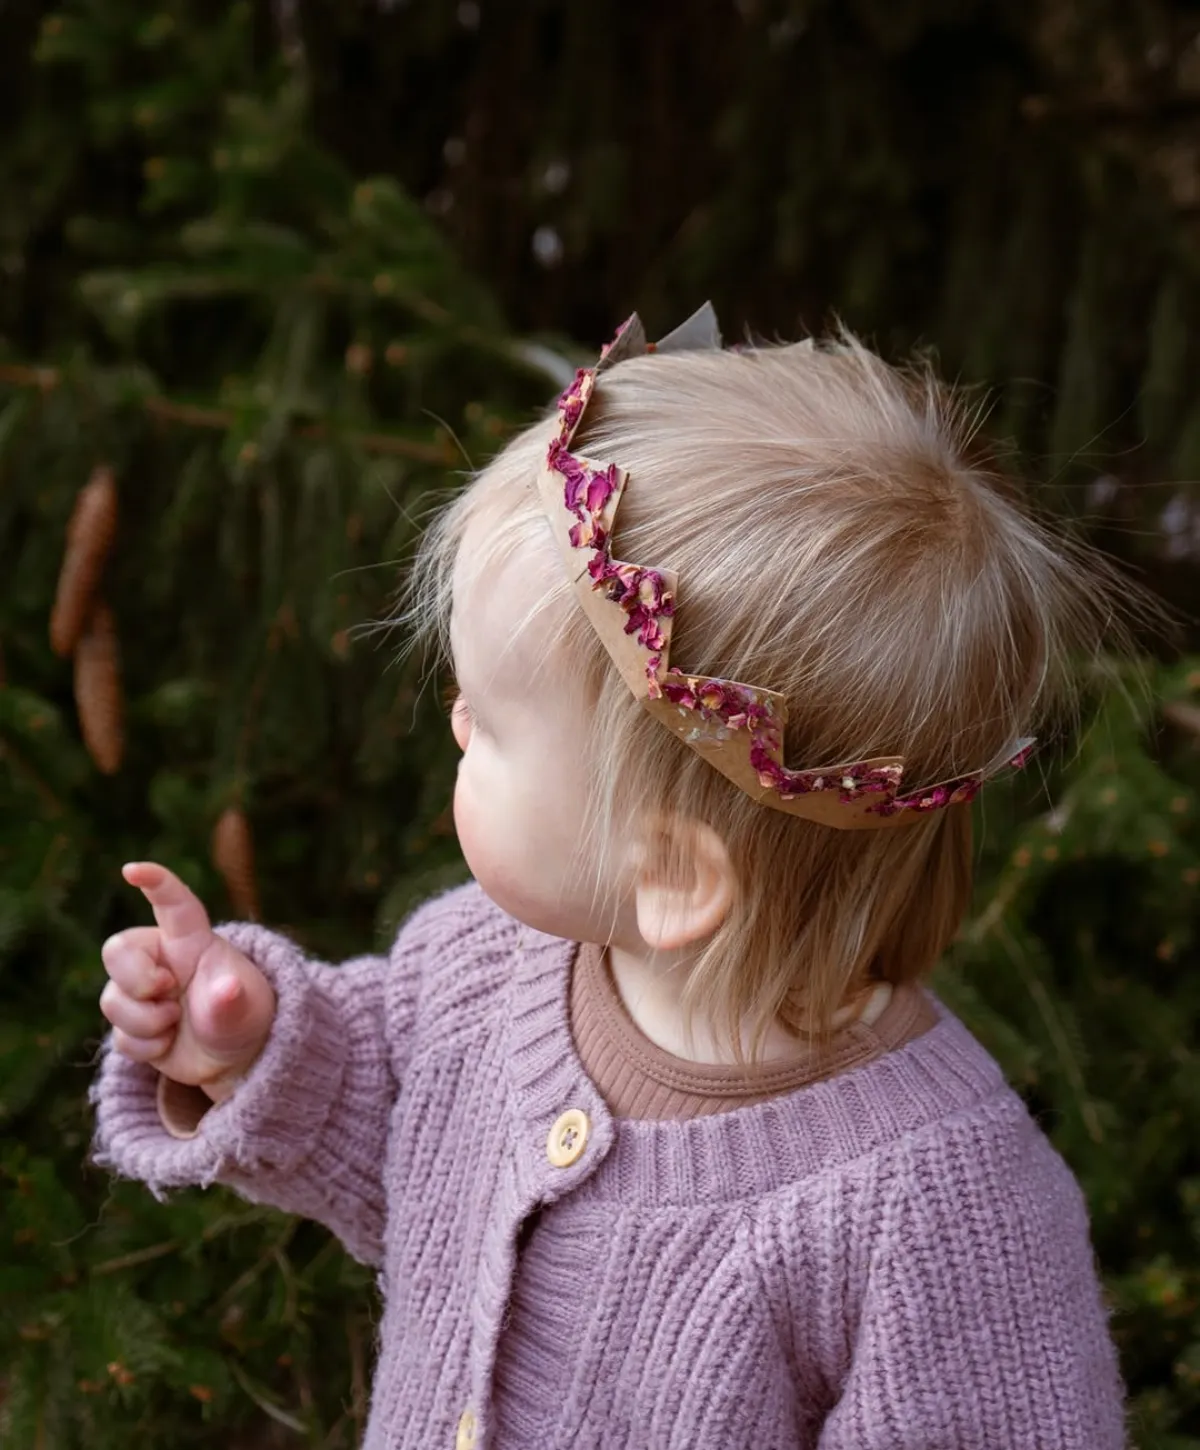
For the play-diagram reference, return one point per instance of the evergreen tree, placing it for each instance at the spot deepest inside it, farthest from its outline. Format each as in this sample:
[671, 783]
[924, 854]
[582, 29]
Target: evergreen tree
[250, 380]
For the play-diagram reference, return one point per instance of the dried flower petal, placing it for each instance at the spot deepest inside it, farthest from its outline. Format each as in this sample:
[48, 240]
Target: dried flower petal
[600, 488]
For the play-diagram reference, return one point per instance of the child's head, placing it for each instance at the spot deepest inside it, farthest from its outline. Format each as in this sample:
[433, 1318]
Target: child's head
[833, 542]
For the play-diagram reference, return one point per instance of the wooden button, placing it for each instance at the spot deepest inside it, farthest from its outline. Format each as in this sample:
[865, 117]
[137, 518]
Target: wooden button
[568, 1138]
[465, 1438]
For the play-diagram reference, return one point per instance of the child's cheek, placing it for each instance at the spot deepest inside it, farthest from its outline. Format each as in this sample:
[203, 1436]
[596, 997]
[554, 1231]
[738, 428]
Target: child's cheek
[464, 815]
[478, 822]
[489, 828]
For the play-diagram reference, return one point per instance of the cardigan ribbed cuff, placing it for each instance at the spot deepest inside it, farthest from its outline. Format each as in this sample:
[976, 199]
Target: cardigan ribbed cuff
[274, 1119]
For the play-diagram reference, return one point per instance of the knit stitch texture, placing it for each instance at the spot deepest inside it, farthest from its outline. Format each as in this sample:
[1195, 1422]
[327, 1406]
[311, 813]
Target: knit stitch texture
[894, 1258]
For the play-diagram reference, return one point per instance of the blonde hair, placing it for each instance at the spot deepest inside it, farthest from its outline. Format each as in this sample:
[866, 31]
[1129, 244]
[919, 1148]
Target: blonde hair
[835, 542]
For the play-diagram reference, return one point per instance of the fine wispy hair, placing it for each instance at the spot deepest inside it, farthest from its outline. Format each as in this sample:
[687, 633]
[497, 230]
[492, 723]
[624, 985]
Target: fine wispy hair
[836, 539]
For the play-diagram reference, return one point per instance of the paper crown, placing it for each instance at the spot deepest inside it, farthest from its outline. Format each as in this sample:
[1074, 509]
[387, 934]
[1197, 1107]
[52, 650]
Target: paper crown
[739, 729]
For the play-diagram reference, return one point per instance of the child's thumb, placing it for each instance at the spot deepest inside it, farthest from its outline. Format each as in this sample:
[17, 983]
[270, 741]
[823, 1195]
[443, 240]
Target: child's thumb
[230, 1006]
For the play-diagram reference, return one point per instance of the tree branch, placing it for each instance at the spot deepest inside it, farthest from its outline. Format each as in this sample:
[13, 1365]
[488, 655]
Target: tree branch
[191, 415]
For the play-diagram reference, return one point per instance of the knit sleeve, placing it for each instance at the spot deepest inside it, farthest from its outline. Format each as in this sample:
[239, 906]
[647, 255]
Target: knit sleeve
[982, 1322]
[307, 1129]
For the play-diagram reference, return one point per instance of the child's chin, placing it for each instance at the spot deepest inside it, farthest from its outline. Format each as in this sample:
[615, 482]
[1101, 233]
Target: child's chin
[553, 917]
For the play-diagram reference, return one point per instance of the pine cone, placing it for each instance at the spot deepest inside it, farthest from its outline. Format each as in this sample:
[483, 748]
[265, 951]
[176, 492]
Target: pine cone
[233, 856]
[98, 689]
[90, 534]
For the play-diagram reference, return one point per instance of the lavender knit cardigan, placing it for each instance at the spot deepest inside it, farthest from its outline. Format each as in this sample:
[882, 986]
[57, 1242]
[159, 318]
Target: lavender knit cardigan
[893, 1259]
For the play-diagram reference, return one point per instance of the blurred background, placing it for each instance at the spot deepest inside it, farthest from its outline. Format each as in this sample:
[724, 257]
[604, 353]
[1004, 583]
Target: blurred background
[273, 277]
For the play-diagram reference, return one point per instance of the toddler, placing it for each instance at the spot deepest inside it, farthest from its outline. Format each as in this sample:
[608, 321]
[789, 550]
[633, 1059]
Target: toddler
[653, 1132]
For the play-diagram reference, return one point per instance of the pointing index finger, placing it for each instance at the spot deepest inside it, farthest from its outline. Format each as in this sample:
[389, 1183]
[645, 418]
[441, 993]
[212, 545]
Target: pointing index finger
[179, 912]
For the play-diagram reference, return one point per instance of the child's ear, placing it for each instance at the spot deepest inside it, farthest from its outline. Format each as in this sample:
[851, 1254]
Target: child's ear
[686, 884]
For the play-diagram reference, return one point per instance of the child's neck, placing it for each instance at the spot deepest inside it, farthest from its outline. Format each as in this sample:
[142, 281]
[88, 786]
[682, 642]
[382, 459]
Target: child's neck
[652, 993]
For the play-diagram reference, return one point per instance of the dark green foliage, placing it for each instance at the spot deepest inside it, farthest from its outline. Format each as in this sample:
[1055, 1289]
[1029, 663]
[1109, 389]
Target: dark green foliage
[1078, 970]
[279, 363]
[220, 283]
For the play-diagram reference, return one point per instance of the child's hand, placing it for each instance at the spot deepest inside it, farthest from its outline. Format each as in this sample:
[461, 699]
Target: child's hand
[181, 997]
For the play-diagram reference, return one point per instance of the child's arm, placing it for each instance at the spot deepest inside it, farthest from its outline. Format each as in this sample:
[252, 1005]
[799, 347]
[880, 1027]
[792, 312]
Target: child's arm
[302, 1061]
[983, 1321]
